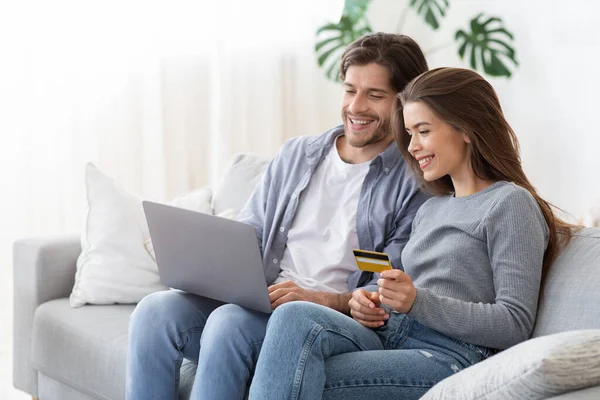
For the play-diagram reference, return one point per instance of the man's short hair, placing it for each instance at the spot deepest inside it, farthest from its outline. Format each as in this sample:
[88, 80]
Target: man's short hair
[401, 55]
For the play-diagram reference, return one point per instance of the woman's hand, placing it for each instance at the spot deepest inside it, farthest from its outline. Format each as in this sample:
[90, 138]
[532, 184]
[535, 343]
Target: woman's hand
[396, 290]
[364, 308]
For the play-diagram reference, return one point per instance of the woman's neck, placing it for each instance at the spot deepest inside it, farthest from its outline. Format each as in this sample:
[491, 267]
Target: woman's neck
[468, 184]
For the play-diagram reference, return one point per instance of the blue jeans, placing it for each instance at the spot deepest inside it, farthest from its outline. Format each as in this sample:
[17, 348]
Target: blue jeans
[313, 352]
[167, 326]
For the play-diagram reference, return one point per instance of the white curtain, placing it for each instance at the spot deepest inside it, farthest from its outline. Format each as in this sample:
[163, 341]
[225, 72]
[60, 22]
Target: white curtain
[158, 94]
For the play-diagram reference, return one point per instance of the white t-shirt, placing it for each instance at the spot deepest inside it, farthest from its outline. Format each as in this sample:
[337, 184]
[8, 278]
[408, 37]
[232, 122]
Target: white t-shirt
[318, 255]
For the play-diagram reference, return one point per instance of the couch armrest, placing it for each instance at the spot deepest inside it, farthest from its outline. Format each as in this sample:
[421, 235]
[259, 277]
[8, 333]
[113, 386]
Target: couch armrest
[43, 270]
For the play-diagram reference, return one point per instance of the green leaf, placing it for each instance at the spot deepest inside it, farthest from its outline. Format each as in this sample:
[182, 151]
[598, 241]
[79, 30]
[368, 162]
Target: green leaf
[325, 42]
[355, 9]
[462, 49]
[329, 27]
[431, 10]
[496, 67]
[332, 39]
[325, 55]
[333, 71]
[489, 45]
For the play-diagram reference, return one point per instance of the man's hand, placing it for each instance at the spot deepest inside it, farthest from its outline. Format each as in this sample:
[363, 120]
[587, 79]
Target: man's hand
[364, 308]
[287, 291]
[396, 290]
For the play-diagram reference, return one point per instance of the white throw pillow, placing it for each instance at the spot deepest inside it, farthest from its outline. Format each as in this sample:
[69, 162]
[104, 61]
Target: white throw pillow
[198, 200]
[536, 369]
[116, 264]
[239, 180]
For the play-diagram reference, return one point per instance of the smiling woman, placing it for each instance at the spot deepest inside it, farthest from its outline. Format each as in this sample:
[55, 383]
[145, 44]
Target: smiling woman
[440, 148]
[450, 128]
[470, 274]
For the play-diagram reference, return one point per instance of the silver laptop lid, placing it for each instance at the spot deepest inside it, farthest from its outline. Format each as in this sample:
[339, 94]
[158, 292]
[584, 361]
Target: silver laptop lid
[208, 256]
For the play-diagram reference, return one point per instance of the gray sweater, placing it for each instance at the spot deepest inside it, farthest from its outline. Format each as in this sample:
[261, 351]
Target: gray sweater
[476, 262]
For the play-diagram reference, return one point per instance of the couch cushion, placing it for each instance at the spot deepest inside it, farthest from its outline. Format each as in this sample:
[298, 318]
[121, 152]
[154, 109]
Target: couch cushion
[187, 373]
[85, 347]
[536, 369]
[51, 389]
[570, 296]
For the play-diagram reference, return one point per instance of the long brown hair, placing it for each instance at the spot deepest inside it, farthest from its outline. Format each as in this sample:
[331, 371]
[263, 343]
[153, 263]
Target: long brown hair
[467, 102]
[401, 55]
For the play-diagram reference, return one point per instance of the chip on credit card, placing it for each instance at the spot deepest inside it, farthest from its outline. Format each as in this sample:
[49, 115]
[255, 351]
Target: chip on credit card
[372, 261]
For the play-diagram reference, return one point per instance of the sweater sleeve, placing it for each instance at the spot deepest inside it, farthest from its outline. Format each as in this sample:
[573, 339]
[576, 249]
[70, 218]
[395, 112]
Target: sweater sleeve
[517, 236]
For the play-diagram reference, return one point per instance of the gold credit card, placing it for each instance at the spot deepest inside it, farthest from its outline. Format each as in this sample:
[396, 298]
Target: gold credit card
[371, 261]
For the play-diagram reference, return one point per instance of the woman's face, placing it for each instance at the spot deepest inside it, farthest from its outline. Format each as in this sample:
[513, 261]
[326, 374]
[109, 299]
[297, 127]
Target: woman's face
[439, 148]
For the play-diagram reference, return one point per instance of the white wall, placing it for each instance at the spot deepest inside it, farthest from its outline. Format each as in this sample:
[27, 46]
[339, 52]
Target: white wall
[552, 99]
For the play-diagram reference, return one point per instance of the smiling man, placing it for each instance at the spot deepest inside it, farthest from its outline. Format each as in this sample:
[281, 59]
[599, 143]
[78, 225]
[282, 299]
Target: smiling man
[366, 105]
[319, 198]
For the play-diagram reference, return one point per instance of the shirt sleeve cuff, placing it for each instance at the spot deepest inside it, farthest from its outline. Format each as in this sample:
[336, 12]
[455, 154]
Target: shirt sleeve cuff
[420, 303]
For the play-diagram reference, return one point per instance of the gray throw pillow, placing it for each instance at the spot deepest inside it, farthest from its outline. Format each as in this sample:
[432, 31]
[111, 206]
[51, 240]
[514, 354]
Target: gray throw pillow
[536, 369]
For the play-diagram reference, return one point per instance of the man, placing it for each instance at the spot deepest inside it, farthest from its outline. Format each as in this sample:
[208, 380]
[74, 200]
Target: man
[319, 198]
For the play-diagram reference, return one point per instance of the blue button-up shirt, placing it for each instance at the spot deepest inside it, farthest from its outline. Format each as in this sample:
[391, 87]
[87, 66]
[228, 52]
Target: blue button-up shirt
[388, 201]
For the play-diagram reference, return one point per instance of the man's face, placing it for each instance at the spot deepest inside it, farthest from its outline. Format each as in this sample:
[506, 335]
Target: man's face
[367, 104]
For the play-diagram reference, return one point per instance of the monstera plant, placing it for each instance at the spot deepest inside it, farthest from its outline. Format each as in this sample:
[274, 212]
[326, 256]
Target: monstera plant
[487, 44]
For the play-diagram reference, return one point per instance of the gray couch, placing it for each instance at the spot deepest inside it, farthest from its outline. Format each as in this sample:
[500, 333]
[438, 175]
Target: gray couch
[64, 353]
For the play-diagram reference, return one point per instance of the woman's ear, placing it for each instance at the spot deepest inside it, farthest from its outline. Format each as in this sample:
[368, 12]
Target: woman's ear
[466, 138]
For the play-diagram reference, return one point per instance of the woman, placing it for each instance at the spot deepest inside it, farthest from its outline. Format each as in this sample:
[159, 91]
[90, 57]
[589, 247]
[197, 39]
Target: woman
[472, 267]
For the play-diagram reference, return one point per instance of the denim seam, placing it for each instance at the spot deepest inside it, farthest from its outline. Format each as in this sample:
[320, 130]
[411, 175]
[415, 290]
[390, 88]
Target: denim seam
[348, 335]
[184, 333]
[255, 346]
[399, 336]
[476, 351]
[179, 358]
[307, 347]
[344, 384]
[302, 363]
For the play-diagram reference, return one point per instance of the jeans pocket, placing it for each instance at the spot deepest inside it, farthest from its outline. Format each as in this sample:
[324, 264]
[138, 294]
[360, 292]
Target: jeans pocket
[484, 352]
[478, 353]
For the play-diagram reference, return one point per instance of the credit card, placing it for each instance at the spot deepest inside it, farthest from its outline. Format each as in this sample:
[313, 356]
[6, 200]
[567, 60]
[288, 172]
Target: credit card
[371, 261]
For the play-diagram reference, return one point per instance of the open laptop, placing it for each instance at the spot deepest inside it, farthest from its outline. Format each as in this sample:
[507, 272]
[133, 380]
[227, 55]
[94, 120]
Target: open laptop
[209, 256]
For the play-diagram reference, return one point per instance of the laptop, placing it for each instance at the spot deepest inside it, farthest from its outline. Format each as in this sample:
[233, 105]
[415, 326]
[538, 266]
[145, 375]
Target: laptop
[209, 256]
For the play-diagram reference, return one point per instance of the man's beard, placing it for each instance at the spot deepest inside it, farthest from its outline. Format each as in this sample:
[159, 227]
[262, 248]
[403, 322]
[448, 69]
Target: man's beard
[382, 131]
